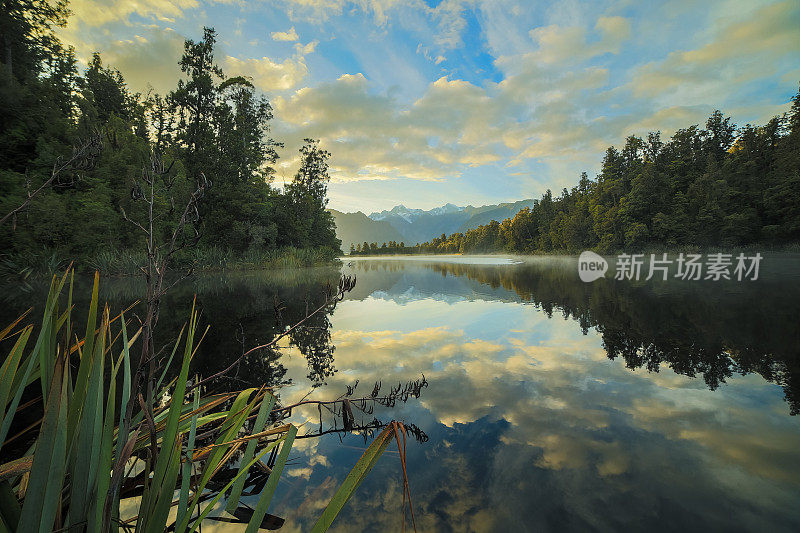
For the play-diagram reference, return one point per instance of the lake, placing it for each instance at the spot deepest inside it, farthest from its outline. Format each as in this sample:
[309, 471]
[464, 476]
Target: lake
[548, 404]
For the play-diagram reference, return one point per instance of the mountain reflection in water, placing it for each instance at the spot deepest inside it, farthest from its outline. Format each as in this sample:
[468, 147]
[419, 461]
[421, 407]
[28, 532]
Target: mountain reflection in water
[552, 405]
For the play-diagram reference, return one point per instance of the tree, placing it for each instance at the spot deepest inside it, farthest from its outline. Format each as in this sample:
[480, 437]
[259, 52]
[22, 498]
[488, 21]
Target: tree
[28, 39]
[308, 196]
[106, 88]
[713, 186]
[719, 135]
[195, 97]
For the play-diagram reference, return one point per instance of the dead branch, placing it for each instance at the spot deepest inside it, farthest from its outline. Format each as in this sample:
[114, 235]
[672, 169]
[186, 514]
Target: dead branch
[83, 158]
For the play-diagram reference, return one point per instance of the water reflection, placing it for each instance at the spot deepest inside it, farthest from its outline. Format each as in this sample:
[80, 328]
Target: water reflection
[707, 329]
[243, 309]
[535, 424]
[544, 411]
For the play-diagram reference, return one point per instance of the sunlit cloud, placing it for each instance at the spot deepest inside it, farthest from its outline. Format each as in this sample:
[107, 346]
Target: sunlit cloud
[269, 75]
[741, 52]
[290, 35]
[98, 12]
[500, 100]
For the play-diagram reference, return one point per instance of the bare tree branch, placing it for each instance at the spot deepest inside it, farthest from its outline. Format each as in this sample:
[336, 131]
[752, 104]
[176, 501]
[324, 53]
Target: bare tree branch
[82, 159]
[346, 284]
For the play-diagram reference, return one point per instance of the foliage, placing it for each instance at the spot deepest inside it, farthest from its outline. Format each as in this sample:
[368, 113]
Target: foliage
[718, 186]
[210, 128]
[87, 455]
[391, 247]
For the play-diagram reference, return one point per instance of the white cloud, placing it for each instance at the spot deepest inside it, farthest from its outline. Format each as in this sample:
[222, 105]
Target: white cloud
[614, 31]
[560, 44]
[447, 17]
[148, 58]
[372, 136]
[290, 35]
[269, 75]
[273, 76]
[306, 49]
[451, 22]
[741, 51]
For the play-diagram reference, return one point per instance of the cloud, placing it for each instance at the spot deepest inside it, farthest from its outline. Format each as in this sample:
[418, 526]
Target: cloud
[269, 75]
[447, 18]
[614, 31]
[535, 112]
[319, 11]
[273, 76]
[149, 58]
[306, 49]
[98, 13]
[559, 44]
[451, 22]
[371, 136]
[741, 52]
[290, 35]
[568, 407]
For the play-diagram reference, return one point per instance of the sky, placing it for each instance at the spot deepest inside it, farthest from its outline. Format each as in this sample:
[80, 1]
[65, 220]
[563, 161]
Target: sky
[424, 102]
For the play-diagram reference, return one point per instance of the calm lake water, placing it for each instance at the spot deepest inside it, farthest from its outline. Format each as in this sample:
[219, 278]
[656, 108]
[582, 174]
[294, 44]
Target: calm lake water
[551, 404]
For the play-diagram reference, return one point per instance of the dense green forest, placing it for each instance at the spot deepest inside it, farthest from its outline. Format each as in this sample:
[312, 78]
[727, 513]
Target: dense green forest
[718, 186]
[75, 149]
[372, 248]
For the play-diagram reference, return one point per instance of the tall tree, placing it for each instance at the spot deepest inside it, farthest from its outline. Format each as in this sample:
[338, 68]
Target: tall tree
[28, 39]
[308, 198]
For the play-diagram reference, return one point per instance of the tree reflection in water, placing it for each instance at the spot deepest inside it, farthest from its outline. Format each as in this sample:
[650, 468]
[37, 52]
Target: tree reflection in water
[250, 309]
[708, 329]
[243, 309]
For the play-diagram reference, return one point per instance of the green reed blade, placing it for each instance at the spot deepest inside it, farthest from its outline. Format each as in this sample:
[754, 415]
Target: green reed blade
[353, 480]
[47, 472]
[241, 473]
[261, 421]
[272, 482]
[186, 474]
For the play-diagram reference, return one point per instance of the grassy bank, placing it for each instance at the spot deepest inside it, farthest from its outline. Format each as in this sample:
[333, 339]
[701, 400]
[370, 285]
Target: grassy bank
[672, 250]
[47, 262]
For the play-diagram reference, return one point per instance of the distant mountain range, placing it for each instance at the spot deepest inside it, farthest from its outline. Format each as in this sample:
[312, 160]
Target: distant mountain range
[411, 226]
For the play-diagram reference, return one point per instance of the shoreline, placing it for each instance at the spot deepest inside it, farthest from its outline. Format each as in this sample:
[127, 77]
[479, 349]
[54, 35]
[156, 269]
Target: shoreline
[767, 248]
[124, 263]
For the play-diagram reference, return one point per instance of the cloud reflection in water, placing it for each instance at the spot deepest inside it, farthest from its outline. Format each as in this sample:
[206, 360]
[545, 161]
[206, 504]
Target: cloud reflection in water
[533, 427]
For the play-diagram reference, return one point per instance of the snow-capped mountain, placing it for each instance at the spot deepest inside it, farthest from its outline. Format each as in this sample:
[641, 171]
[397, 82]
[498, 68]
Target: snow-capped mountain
[410, 215]
[401, 211]
[419, 225]
[445, 209]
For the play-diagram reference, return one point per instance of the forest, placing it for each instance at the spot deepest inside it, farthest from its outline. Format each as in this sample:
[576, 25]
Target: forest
[76, 150]
[721, 185]
[391, 247]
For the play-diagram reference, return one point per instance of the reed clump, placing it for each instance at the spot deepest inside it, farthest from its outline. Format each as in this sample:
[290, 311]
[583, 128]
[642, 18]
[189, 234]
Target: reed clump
[97, 440]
